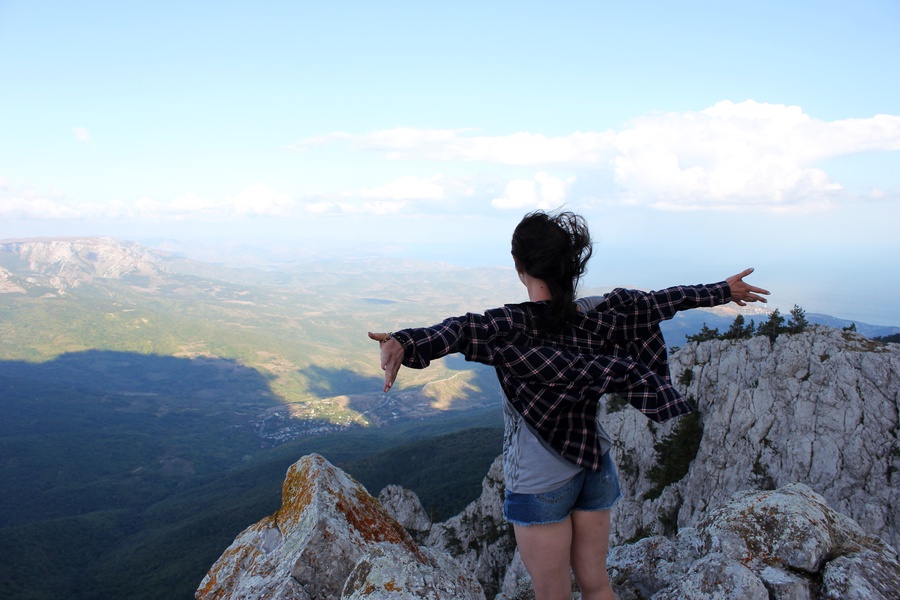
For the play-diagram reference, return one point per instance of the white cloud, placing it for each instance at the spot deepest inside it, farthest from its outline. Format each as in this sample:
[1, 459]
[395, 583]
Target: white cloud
[543, 191]
[262, 200]
[82, 134]
[37, 208]
[728, 156]
[189, 203]
[256, 200]
[408, 188]
[381, 208]
[253, 201]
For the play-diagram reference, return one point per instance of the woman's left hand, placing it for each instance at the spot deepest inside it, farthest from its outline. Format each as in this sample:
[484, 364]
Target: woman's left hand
[391, 357]
[742, 292]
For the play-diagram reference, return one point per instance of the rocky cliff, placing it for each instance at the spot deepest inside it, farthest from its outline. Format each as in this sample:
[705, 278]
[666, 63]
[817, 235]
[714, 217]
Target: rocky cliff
[331, 539]
[787, 492]
[818, 408]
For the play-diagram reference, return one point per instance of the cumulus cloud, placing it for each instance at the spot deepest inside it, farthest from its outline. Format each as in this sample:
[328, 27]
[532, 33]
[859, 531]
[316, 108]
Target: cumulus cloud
[728, 156]
[542, 191]
[731, 155]
[82, 134]
[19, 207]
[262, 200]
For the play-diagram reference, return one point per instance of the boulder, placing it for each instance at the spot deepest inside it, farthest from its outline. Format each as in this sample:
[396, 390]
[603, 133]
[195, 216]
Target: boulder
[308, 549]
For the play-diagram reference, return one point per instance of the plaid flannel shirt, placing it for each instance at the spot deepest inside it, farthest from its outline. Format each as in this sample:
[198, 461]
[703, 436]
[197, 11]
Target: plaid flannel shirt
[555, 380]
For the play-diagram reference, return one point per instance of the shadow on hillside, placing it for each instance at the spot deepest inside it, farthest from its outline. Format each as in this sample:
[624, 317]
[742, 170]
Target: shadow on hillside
[99, 430]
[102, 381]
[325, 382]
[108, 451]
[363, 393]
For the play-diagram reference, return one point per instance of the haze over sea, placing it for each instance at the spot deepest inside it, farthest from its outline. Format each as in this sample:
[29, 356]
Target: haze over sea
[697, 139]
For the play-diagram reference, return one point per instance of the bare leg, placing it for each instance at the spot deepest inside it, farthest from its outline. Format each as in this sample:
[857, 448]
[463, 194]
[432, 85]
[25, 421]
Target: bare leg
[545, 551]
[590, 542]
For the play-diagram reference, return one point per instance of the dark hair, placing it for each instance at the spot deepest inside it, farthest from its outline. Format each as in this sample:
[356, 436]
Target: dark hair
[554, 248]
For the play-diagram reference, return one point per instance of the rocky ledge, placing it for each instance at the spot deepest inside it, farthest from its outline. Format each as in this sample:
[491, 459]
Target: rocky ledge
[332, 539]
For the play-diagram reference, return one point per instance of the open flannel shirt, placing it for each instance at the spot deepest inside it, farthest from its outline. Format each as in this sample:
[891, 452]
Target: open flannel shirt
[555, 380]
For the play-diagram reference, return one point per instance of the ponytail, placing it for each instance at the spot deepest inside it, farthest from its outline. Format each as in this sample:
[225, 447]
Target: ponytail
[554, 248]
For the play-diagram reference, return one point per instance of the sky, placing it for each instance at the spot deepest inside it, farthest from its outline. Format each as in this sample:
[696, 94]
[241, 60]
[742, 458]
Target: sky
[697, 138]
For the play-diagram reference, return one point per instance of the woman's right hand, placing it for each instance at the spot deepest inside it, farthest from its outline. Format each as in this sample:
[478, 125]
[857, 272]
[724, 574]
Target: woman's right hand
[391, 356]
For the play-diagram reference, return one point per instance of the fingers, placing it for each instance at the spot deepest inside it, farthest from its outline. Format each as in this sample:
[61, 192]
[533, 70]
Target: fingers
[390, 376]
[743, 273]
[391, 357]
[742, 292]
[390, 362]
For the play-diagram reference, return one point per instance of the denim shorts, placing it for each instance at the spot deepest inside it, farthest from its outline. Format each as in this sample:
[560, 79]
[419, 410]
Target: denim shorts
[587, 491]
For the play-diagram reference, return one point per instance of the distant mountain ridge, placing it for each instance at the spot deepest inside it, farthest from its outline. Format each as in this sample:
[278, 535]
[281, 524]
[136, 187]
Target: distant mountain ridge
[74, 261]
[69, 262]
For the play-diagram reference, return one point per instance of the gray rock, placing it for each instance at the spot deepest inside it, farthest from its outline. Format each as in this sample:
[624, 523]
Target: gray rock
[405, 507]
[786, 586]
[786, 544]
[864, 575]
[326, 524]
[647, 566]
[716, 577]
[389, 571]
[820, 407]
[790, 528]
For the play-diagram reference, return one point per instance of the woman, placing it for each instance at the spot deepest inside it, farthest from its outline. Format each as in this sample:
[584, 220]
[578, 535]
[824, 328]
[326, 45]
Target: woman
[554, 359]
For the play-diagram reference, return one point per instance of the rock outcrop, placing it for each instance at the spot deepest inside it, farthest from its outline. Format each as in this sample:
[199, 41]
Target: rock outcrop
[406, 508]
[330, 537]
[819, 408]
[480, 538]
[774, 544]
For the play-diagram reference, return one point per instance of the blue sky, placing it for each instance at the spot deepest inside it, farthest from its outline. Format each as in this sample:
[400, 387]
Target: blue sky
[697, 138]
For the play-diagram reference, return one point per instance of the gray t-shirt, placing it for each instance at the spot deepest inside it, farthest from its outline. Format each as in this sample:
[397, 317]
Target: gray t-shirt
[530, 465]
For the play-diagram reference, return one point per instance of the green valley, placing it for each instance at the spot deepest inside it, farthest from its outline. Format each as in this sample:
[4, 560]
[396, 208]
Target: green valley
[152, 405]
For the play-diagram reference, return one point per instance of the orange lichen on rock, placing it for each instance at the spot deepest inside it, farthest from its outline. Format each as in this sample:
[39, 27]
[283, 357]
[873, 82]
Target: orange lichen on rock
[326, 524]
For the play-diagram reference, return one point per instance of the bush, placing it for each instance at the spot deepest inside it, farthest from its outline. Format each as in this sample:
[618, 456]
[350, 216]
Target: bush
[674, 454]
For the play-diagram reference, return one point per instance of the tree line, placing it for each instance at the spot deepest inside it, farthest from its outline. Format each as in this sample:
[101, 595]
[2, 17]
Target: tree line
[774, 326]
